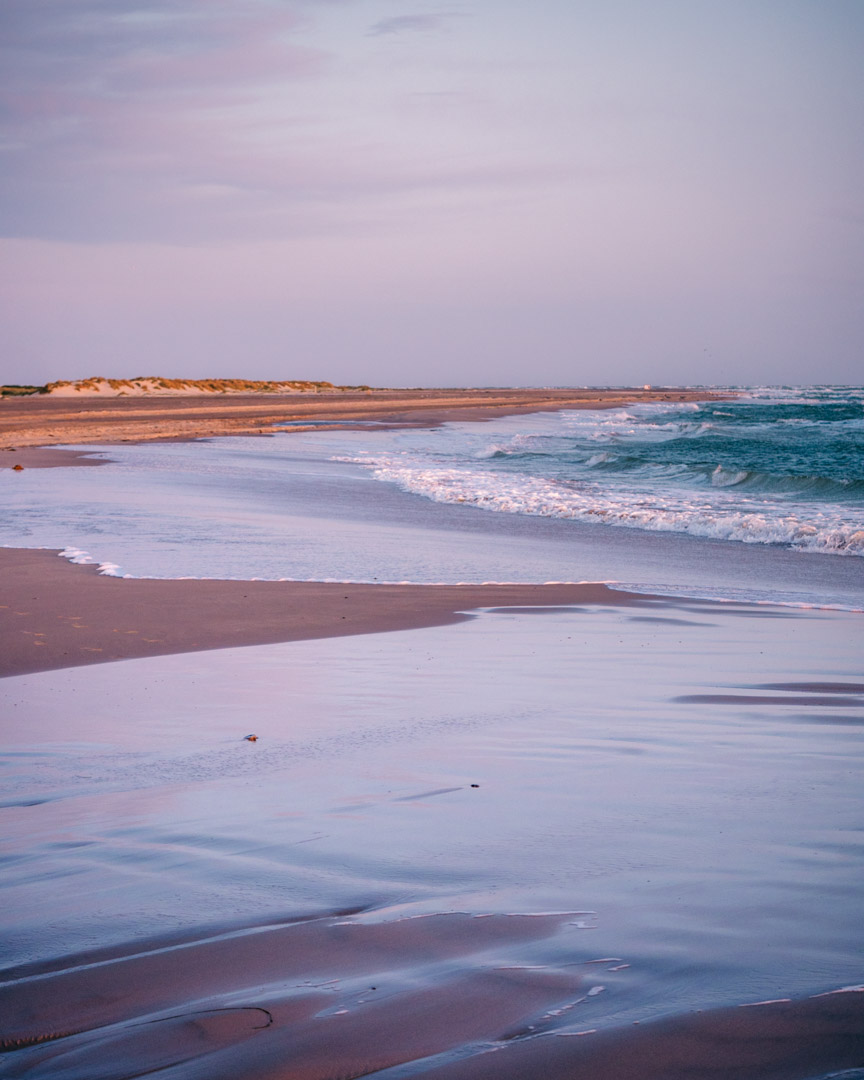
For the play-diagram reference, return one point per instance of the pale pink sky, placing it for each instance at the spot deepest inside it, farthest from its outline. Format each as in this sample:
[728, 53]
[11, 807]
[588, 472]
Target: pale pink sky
[477, 193]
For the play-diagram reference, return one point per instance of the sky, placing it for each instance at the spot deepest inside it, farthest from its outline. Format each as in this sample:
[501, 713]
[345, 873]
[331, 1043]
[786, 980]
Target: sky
[482, 192]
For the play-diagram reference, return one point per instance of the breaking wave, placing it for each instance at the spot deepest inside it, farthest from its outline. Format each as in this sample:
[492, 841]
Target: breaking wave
[529, 495]
[781, 468]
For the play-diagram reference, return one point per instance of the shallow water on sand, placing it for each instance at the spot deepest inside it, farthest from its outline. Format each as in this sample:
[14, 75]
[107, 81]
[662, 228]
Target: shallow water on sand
[683, 783]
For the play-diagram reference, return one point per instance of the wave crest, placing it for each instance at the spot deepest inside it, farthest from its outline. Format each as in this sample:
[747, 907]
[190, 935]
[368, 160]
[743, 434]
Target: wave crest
[820, 532]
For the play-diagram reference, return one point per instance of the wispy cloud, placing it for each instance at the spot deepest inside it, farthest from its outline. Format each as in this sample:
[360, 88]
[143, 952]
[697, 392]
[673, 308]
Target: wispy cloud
[400, 24]
[204, 120]
[118, 111]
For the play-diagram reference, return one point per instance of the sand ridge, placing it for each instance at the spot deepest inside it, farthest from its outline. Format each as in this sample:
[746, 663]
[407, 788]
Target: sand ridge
[56, 614]
[47, 420]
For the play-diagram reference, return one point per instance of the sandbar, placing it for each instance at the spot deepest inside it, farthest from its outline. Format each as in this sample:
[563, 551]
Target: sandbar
[57, 614]
[40, 421]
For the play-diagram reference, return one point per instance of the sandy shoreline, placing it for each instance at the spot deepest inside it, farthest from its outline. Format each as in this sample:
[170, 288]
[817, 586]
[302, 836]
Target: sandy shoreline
[44, 421]
[347, 992]
[56, 614]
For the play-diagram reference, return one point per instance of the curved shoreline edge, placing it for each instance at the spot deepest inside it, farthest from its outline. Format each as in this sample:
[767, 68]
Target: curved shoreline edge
[56, 614]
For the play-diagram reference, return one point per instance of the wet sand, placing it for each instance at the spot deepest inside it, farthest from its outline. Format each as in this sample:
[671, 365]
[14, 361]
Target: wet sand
[46, 457]
[139, 804]
[336, 997]
[55, 614]
[45, 421]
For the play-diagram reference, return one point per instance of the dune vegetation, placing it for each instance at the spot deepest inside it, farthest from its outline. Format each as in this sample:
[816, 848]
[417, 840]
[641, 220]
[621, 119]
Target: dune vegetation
[158, 385]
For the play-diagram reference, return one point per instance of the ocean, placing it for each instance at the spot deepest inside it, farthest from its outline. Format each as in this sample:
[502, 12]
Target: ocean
[773, 467]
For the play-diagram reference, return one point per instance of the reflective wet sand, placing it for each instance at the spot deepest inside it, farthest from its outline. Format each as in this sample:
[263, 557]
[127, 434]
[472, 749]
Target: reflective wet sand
[572, 839]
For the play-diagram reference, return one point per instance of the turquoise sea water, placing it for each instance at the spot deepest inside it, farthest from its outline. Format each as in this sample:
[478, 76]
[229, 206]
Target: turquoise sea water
[774, 466]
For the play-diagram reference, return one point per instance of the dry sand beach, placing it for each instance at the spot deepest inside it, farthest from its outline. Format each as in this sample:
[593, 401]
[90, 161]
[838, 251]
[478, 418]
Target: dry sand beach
[91, 418]
[484, 831]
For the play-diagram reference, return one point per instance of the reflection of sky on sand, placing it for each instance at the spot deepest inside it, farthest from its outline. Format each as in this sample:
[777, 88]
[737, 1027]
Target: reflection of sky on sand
[716, 843]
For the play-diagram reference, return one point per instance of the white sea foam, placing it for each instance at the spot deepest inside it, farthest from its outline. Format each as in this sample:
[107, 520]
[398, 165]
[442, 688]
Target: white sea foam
[552, 466]
[720, 517]
[76, 555]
